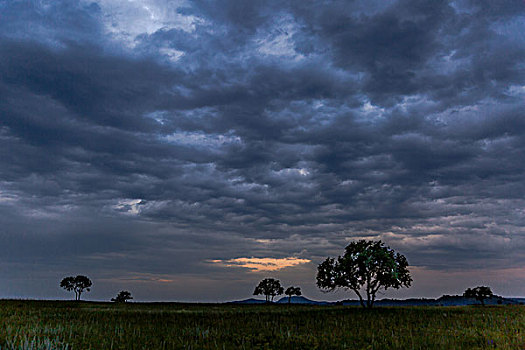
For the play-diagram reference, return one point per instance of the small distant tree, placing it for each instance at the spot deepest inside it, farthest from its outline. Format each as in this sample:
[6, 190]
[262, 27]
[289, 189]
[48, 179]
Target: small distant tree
[122, 297]
[269, 287]
[78, 284]
[365, 267]
[292, 291]
[479, 293]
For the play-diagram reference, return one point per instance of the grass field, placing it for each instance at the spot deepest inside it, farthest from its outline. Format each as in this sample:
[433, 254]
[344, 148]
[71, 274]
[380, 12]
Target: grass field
[83, 325]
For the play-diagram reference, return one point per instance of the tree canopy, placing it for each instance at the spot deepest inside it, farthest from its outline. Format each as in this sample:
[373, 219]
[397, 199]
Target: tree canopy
[77, 284]
[290, 291]
[479, 293]
[269, 287]
[365, 268]
[122, 297]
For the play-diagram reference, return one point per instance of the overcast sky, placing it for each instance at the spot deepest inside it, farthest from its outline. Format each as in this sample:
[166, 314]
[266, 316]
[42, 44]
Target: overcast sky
[184, 150]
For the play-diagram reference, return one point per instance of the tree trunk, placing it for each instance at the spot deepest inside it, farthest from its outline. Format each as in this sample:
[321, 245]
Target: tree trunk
[373, 299]
[369, 301]
[360, 297]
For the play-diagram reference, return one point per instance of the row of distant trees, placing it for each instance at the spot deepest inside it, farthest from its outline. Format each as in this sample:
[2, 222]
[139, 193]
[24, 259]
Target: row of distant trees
[270, 288]
[80, 284]
[366, 267]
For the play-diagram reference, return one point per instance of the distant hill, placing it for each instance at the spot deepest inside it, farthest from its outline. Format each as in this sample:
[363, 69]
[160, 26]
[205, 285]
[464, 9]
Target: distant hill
[445, 300]
[283, 300]
[459, 300]
[520, 301]
[301, 300]
[247, 301]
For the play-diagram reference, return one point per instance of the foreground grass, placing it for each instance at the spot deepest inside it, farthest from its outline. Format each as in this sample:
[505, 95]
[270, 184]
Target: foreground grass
[80, 325]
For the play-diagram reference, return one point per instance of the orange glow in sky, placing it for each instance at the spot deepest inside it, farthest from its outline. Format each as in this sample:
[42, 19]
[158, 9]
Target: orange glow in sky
[262, 264]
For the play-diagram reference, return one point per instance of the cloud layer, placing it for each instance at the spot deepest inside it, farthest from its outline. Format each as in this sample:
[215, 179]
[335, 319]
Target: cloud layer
[141, 140]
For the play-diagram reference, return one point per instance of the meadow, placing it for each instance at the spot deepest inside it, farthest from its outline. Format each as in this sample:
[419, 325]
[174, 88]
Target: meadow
[88, 325]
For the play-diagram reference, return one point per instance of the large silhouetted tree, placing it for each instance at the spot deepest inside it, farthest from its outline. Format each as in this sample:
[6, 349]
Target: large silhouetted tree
[366, 267]
[122, 297]
[77, 284]
[292, 291]
[479, 293]
[269, 287]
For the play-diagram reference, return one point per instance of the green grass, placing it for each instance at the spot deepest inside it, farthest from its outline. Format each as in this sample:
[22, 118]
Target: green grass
[81, 325]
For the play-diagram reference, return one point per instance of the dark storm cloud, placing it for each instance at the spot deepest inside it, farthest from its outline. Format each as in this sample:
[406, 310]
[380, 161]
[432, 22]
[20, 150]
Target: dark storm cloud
[264, 129]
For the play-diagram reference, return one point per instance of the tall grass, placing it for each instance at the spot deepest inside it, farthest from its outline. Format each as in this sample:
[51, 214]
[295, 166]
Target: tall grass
[81, 325]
